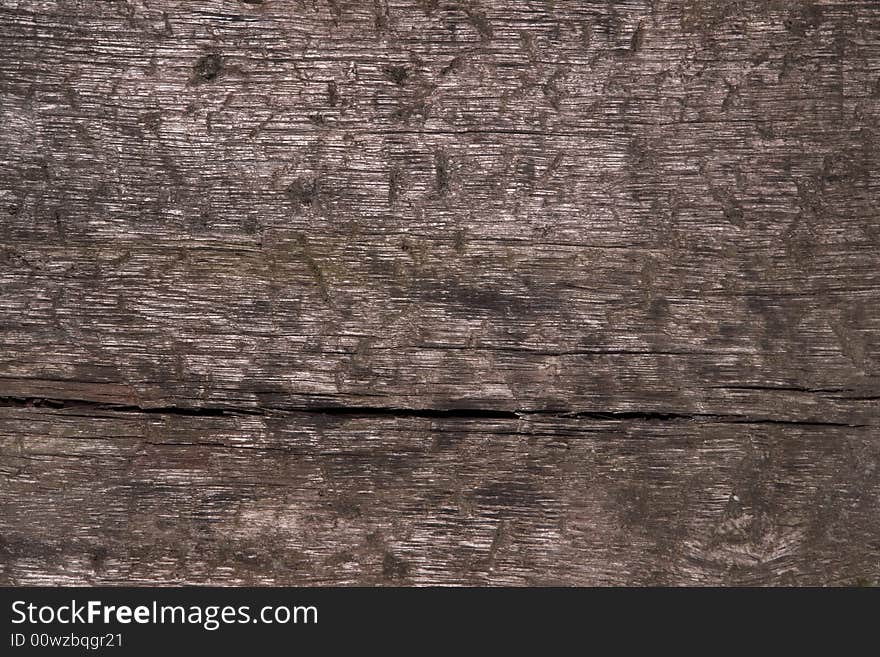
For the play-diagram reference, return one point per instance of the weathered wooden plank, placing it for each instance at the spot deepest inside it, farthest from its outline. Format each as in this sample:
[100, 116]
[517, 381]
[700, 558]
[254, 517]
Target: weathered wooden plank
[105, 497]
[397, 242]
[534, 205]
[561, 329]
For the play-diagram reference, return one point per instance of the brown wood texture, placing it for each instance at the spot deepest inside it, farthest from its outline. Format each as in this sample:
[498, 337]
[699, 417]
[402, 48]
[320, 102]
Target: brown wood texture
[379, 292]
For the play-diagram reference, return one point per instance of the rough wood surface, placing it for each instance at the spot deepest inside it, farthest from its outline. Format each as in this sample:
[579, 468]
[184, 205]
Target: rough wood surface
[475, 292]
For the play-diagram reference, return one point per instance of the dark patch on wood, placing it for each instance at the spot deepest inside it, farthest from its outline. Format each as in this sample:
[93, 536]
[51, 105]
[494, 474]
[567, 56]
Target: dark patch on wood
[332, 93]
[441, 172]
[477, 18]
[454, 66]
[381, 14]
[638, 38]
[208, 68]
[304, 191]
[396, 74]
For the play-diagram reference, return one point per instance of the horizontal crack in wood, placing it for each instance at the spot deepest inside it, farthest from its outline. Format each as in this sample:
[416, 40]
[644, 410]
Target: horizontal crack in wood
[401, 412]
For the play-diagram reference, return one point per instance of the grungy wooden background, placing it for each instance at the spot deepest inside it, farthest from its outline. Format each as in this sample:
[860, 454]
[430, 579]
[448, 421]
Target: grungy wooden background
[440, 292]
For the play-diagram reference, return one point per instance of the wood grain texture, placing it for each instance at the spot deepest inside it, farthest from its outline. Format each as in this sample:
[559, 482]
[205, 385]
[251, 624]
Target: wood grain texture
[107, 497]
[475, 292]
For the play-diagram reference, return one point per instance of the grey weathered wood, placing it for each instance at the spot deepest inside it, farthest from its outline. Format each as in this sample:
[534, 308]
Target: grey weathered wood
[460, 292]
[105, 497]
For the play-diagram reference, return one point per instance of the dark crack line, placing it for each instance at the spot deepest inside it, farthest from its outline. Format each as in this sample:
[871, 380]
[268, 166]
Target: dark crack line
[392, 412]
[761, 388]
[225, 411]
